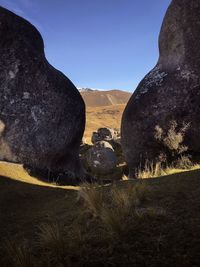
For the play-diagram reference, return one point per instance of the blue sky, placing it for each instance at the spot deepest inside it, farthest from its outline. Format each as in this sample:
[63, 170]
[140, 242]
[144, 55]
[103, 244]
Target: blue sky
[103, 44]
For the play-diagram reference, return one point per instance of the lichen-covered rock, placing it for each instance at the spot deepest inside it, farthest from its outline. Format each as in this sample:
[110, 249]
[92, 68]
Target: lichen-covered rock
[42, 115]
[101, 159]
[169, 92]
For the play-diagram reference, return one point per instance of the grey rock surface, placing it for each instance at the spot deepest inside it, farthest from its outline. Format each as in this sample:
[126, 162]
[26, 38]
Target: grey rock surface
[112, 136]
[171, 91]
[42, 115]
[101, 159]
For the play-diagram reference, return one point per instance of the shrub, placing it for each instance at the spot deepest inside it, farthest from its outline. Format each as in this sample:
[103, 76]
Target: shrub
[172, 140]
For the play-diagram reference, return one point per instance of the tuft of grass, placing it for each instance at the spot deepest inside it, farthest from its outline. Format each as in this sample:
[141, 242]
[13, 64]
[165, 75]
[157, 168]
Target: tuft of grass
[150, 213]
[155, 212]
[142, 192]
[123, 198]
[122, 213]
[93, 197]
[150, 170]
[116, 212]
[114, 221]
[52, 240]
[119, 208]
[18, 255]
[184, 162]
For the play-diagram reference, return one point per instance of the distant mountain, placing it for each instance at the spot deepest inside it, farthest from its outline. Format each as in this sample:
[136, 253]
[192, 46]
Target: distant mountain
[85, 90]
[99, 98]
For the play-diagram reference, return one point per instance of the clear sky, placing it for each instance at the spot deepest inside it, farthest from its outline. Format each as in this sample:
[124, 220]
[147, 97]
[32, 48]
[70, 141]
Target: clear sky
[103, 44]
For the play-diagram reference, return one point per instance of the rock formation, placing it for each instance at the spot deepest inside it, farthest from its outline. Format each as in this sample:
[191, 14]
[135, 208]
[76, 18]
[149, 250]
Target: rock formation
[169, 92]
[42, 115]
[104, 134]
[112, 136]
[100, 159]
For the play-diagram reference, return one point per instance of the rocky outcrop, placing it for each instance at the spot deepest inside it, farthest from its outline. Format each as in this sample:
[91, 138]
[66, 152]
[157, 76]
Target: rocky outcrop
[104, 134]
[42, 115]
[101, 162]
[169, 92]
[112, 136]
[101, 158]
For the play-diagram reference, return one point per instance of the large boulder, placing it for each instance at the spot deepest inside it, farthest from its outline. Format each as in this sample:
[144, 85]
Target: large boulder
[42, 115]
[112, 136]
[100, 159]
[169, 92]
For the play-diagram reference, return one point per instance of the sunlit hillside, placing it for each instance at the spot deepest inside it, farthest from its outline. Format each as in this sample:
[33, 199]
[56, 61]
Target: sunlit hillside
[99, 98]
[107, 116]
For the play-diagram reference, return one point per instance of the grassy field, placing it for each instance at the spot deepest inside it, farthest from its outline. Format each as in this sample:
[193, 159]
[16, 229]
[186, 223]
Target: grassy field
[154, 224]
[97, 117]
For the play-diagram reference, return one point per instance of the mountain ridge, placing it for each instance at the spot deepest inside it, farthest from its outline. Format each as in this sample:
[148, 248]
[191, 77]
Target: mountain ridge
[99, 98]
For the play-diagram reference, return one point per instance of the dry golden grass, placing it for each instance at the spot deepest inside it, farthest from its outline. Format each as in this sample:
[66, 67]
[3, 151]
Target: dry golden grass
[50, 236]
[51, 239]
[96, 117]
[143, 217]
[151, 170]
[99, 98]
[116, 207]
[18, 173]
[18, 255]
[92, 196]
